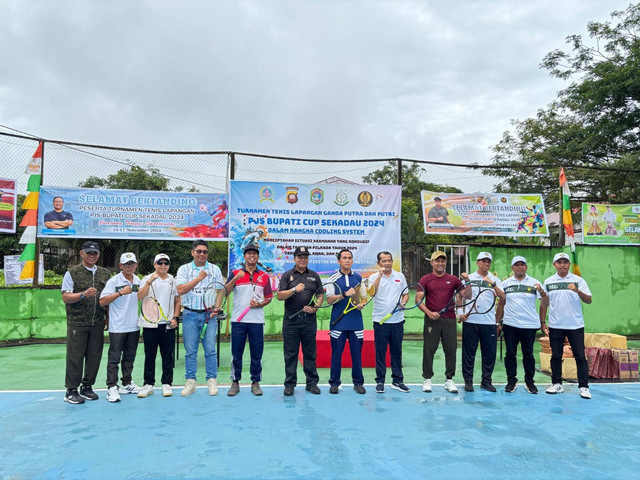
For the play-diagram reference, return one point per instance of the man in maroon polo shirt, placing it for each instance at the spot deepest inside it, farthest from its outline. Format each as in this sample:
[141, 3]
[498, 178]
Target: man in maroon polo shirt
[439, 288]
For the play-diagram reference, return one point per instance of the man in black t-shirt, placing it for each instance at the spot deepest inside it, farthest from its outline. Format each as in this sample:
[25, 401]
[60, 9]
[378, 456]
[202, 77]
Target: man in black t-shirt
[57, 218]
[297, 288]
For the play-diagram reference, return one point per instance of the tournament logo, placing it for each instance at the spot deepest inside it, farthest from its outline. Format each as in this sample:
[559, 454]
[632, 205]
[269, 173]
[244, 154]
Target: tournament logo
[317, 196]
[365, 198]
[341, 198]
[267, 195]
[292, 194]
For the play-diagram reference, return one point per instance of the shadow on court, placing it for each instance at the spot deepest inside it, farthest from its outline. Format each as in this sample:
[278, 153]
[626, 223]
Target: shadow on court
[394, 435]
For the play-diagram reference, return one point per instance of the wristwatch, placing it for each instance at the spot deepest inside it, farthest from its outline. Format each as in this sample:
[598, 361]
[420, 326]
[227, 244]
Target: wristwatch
[82, 297]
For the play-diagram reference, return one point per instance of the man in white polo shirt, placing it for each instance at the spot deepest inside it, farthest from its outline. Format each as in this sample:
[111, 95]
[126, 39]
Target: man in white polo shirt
[520, 322]
[480, 328]
[389, 285]
[124, 332]
[565, 294]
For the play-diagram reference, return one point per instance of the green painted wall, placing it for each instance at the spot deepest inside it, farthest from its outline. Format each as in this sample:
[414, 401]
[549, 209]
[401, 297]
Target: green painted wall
[613, 275]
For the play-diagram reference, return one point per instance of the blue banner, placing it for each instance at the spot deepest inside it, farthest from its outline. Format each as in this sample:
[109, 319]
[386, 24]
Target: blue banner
[127, 214]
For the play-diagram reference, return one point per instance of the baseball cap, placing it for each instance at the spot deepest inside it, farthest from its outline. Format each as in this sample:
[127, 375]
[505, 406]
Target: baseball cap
[483, 255]
[250, 248]
[160, 256]
[438, 254]
[89, 247]
[559, 256]
[301, 251]
[518, 258]
[127, 257]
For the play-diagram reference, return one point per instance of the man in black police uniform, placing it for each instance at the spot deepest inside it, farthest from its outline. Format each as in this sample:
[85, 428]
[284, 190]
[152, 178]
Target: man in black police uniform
[297, 287]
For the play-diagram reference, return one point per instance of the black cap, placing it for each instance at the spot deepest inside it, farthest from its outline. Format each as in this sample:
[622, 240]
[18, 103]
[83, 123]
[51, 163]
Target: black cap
[89, 247]
[301, 251]
[250, 248]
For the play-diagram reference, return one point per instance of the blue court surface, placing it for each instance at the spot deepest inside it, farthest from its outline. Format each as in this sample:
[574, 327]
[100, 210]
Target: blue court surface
[393, 435]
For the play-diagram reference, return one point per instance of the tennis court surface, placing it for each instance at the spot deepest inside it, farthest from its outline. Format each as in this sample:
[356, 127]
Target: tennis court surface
[394, 435]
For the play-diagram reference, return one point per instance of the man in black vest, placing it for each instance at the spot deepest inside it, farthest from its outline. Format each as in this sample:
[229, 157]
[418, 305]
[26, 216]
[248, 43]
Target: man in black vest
[81, 288]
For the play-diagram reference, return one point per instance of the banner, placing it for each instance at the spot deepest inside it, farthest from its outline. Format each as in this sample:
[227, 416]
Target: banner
[12, 268]
[610, 224]
[127, 214]
[491, 214]
[278, 217]
[8, 204]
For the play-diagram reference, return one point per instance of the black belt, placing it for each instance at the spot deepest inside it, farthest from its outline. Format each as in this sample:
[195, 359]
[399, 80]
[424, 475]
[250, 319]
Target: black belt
[194, 310]
[302, 314]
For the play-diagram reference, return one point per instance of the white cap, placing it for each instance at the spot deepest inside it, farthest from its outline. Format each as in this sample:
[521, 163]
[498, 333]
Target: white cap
[560, 255]
[160, 256]
[483, 255]
[127, 257]
[518, 258]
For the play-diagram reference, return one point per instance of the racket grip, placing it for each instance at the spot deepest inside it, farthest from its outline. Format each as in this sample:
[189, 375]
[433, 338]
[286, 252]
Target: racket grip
[204, 330]
[386, 317]
[241, 316]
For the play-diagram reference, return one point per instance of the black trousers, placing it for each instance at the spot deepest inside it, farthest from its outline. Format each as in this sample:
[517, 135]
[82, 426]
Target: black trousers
[388, 334]
[435, 330]
[472, 333]
[526, 337]
[84, 352]
[576, 340]
[295, 332]
[165, 338]
[122, 350]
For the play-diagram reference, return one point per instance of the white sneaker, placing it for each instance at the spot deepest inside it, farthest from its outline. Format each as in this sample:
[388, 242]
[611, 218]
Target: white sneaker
[555, 388]
[450, 386]
[212, 383]
[166, 390]
[426, 385]
[585, 393]
[113, 395]
[189, 388]
[145, 391]
[131, 388]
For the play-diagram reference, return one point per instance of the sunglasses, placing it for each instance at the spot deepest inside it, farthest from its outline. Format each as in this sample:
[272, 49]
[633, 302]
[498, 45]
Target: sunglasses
[163, 262]
[201, 252]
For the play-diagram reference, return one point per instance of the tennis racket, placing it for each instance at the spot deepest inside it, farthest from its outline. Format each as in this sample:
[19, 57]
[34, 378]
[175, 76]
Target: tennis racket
[364, 293]
[452, 303]
[411, 290]
[152, 310]
[328, 289]
[256, 296]
[482, 303]
[214, 298]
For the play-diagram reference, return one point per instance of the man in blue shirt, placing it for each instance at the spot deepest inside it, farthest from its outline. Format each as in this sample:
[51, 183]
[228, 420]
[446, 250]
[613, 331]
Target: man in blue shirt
[349, 327]
[57, 218]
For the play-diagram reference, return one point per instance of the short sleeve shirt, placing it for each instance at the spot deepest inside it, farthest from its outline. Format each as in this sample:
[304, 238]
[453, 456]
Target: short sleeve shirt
[312, 285]
[478, 284]
[353, 319]
[565, 306]
[251, 286]
[438, 292]
[193, 299]
[123, 311]
[520, 304]
[387, 297]
[165, 292]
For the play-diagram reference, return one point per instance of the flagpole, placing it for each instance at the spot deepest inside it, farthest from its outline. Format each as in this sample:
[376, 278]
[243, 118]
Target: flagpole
[36, 264]
[561, 240]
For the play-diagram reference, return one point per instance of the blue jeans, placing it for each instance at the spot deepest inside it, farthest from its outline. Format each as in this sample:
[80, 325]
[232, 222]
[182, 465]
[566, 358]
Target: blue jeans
[192, 323]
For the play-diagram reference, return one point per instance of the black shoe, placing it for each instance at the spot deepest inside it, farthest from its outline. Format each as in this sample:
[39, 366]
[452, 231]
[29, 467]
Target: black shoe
[313, 389]
[88, 393]
[72, 396]
[380, 388]
[334, 389]
[488, 387]
[468, 386]
[510, 387]
[531, 388]
[288, 391]
[359, 389]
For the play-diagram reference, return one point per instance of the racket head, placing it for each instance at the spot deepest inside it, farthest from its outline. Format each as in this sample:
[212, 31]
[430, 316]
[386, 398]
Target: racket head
[150, 309]
[364, 293]
[329, 289]
[412, 290]
[484, 302]
[211, 293]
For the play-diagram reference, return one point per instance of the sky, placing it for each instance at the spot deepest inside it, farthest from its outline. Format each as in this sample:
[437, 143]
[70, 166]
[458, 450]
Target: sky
[428, 80]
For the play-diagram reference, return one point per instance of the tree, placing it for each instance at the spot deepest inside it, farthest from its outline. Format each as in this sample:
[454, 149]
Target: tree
[591, 128]
[134, 178]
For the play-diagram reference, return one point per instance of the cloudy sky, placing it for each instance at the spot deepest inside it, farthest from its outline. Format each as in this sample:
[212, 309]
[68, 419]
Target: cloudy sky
[432, 80]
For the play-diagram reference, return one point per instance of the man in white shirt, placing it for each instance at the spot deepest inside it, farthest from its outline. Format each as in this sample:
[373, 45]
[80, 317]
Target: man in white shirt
[389, 285]
[124, 332]
[520, 322]
[565, 294]
[191, 281]
[480, 328]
